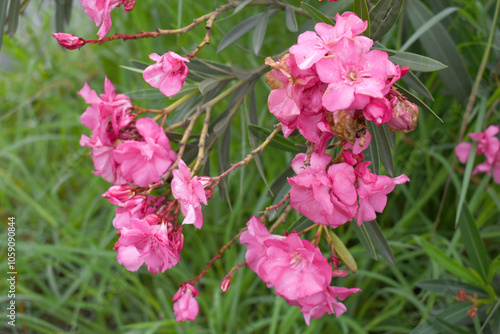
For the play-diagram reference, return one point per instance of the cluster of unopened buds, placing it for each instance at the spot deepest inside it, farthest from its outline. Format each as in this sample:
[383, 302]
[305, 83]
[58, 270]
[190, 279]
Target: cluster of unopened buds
[329, 85]
[463, 297]
[489, 146]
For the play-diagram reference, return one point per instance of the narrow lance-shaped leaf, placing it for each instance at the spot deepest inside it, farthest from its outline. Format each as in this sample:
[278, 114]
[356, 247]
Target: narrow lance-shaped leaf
[239, 30]
[379, 241]
[316, 15]
[251, 117]
[451, 287]
[278, 141]
[452, 313]
[413, 82]
[446, 262]
[429, 24]
[474, 246]
[417, 101]
[360, 8]
[223, 153]
[439, 45]
[242, 5]
[416, 62]
[364, 239]
[383, 16]
[260, 31]
[3, 14]
[291, 20]
[13, 16]
[384, 147]
[470, 161]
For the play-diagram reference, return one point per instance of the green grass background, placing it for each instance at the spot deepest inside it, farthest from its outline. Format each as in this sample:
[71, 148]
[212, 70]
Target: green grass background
[69, 280]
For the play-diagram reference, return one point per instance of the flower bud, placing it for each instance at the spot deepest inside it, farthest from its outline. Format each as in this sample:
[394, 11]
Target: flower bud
[118, 195]
[404, 114]
[69, 41]
[224, 285]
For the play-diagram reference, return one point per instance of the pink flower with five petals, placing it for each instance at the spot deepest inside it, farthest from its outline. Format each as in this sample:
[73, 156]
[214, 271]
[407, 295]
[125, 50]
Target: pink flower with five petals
[168, 74]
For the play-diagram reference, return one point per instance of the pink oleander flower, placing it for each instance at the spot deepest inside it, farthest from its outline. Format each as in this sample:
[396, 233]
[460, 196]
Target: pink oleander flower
[296, 97]
[168, 74]
[149, 241]
[326, 196]
[372, 190]
[310, 47]
[285, 263]
[190, 194]
[99, 11]
[254, 239]
[185, 305]
[69, 41]
[489, 145]
[354, 75]
[105, 109]
[145, 161]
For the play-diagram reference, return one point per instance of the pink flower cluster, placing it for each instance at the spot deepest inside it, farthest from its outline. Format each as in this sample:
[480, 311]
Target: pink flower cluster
[329, 85]
[124, 149]
[333, 194]
[99, 11]
[487, 144]
[130, 153]
[331, 82]
[296, 269]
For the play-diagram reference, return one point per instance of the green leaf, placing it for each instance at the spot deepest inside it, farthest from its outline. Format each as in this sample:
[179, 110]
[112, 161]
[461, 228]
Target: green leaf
[383, 16]
[316, 15]
[291, 20]
[13, 16]
[379, 241]
[208, 67]
[3, 14]
[453, 313]
[241, 6]
[361, 9]
[416, 62]
[470, 161]
[223, 155]
[146, 94]
[210, 84]
[242, 28]
[342, 252]
[428, 24]
[493, 269]
[447, 262]
[251, 117]
[446, 327]
[260, 31]
[451, 288]
[413, 82]
[300, 224]
[390, 136]
[364, 239]
[278, 141]
[384, 147]
[473, 243]
[281, 181]
[417, 101]
[371, 154]
[439, 45]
